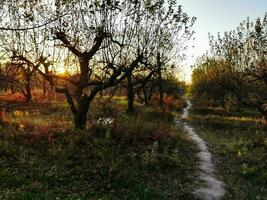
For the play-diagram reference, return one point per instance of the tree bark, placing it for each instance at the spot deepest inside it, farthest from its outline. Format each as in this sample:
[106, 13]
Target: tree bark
[80, 114]
[79, 110]
[161, 94]
[145, 97]
[12, 88]
[130, 94]
[28, 89]
[44, 87]
[159, 73]
[80, 119]
[6, 87]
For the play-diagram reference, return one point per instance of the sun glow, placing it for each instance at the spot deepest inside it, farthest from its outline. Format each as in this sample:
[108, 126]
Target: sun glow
[60, 69]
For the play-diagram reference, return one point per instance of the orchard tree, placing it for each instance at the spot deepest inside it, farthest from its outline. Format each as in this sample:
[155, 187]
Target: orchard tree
[95, 34]
[25, 43]
[107, 41]
[113, 45]
[161, 31]
[245, 52]
[212, 78]
[86, 29]
[173, 31]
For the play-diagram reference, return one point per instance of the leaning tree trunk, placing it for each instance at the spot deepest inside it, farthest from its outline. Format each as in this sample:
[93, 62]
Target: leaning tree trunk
[130, 94]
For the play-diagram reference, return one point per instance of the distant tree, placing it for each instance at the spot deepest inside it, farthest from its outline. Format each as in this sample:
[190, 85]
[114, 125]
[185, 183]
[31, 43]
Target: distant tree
[173, 31]
[162, 32]
[133, 84]
[25, 49]
[211, 79]
[173, 86]
[244, 54]
[3, 78]
[149, 90]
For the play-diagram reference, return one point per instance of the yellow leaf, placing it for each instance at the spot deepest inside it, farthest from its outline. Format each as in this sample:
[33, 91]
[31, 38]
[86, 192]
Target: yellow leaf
[18, 113]
[239, 153]
[21, 126]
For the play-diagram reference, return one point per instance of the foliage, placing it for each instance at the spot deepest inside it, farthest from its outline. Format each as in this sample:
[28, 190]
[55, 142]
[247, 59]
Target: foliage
[237, 67]
[211, 79]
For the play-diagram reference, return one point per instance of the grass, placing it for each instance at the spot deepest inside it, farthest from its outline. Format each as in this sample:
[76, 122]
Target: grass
[238, 142]
[143, 156]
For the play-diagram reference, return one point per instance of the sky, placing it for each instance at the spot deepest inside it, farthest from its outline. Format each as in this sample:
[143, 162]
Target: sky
[215, 16]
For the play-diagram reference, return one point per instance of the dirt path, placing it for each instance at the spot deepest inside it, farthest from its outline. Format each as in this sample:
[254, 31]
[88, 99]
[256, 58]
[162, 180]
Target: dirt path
[212, 189]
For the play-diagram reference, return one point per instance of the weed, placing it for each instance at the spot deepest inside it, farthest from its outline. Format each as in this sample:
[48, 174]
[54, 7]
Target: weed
[237, 141]
[133, 157]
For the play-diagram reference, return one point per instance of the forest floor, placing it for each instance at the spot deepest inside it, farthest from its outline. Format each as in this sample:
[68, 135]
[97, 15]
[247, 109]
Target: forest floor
[119, 156]
[238, 143]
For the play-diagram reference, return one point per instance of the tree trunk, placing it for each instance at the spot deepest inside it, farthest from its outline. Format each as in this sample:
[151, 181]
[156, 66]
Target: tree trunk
[161, 95]
[159, 72]
[80, 120]
[130, 94]
[28, 89]
[6, 87]
[12, 88]
[145, 97]
[80, 115]
[44, 87]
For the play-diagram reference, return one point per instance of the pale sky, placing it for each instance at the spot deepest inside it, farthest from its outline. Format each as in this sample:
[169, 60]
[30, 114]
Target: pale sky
[217, 16]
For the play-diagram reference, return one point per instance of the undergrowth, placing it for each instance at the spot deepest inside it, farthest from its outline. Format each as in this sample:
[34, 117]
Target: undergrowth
[141, 156]
[239, 144]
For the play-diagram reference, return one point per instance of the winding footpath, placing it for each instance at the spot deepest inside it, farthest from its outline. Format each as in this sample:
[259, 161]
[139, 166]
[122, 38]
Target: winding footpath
[212, 189]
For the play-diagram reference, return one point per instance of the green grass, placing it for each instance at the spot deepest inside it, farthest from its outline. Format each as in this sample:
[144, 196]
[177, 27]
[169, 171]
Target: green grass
[144, 156]
[238, 142]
